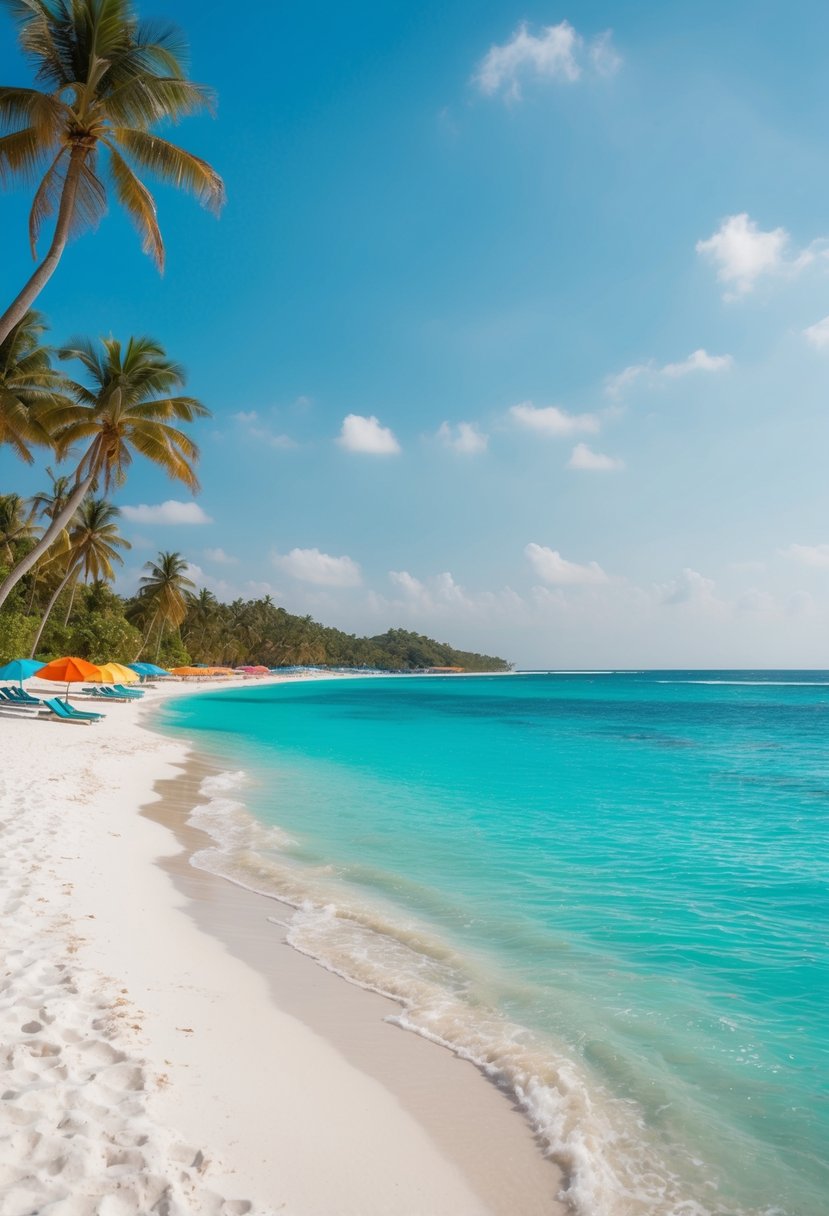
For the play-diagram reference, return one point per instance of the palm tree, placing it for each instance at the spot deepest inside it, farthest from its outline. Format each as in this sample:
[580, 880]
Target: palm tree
[29, 387]
[94, 541]
[163, 593]
[125, 408]
[16, 524]
[107, 78]
[47, 504]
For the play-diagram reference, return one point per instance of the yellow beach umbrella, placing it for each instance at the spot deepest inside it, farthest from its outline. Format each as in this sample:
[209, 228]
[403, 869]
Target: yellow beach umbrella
[119, 673]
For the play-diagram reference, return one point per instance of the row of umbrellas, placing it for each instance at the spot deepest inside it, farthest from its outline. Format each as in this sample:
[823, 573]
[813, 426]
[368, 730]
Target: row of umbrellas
[70, 670]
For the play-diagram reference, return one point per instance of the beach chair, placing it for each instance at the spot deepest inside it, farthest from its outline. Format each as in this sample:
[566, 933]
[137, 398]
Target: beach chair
[102, 694]
[68, 713]
[135, 693]
[24, 697]
[8, 696]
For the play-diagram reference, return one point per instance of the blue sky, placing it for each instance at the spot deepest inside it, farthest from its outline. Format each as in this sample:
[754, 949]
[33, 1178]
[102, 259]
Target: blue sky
[594, 235]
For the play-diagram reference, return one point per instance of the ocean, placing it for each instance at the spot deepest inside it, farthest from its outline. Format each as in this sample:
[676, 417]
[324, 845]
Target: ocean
[608, 890]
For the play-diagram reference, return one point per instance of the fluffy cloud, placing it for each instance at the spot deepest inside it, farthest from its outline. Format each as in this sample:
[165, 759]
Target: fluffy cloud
[442, 597]
[551, 567]
[809, 555]
[169, 512]
[220, 557]
[742, 253]
[556, 53]
[465, 437]
[360, 434]
[818, 334]
[697, 361]
[312, 566]
[690, 587]
[583, 457]
[550, 420]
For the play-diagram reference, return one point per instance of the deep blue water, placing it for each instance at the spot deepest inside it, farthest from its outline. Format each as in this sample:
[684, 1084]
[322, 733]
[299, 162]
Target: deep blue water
[609, 889]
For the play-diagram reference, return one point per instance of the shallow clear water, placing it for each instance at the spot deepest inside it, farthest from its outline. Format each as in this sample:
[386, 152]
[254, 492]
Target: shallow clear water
[609, 890]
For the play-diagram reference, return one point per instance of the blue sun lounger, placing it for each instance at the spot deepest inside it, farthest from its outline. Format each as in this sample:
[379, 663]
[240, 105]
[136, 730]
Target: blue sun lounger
[68, 713]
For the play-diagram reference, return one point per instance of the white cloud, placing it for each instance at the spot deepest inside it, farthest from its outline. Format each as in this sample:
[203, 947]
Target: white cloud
[550, 420]
[809, 555]
[556, 53]
[220, 557]
[360, 434]
[697, 361]
[818, 334]
[689, 587]
[312, 566]
[551, 567]
[604, 56]
[583, 457]
[169, 512]
[742, 253]
[245, 416]
[465, 437]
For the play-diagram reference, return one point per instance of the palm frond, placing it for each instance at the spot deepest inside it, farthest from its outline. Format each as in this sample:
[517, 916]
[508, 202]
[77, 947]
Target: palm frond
[143, 100]
[173, 165]
[47, 197]
[23, 153]
[139, 204]
[90, 197]
[31, 108]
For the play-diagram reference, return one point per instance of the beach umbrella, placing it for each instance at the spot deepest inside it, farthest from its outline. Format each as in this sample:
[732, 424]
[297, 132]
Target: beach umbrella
[122, 673]
[69, 670]
[148, 669]
[116, 673]
[20, 669]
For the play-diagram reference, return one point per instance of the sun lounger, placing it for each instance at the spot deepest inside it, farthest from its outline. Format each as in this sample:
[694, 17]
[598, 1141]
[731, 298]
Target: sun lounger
[129, 692]
[103, 694]
[8, 698]
[68, 713]
[20, 694]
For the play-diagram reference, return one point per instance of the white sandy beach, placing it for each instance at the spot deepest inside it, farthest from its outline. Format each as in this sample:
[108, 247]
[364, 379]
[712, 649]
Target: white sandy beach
[164, 1051]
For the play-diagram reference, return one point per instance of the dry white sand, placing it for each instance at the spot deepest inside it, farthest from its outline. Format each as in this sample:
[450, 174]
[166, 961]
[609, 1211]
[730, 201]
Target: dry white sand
[149, 1066]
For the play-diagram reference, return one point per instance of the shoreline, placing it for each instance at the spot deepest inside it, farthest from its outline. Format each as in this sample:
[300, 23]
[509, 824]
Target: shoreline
[297, 1092]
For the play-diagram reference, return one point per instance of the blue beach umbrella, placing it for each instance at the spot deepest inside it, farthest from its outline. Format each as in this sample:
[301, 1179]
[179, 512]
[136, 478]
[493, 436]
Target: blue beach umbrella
[148, 669]
[20, 670]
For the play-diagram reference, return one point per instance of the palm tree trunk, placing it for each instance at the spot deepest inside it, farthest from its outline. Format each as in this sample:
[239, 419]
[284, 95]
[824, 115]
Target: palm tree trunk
[158, 646]
[143, 645]
[71, 602]
[49, 536]
[18, 309]
[49, 608]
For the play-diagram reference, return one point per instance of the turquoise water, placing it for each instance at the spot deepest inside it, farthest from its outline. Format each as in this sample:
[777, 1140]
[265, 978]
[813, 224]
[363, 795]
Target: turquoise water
[608, 890]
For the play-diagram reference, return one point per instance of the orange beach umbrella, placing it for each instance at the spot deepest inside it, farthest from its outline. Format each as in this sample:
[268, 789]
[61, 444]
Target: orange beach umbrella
[69, 670]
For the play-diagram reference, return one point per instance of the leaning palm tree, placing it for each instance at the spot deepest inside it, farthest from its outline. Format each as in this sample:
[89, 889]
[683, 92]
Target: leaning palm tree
[94, 543]
[30, 388]
[124, 407]
[163, 594]
[47, 504]
[107, 78]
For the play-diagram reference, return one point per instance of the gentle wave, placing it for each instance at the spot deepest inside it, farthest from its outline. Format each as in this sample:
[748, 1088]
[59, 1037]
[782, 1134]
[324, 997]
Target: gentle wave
[612, 1165]
[756, 683]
